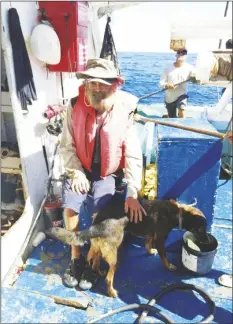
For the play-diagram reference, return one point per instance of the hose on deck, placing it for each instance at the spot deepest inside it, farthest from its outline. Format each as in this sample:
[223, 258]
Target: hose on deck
[150, 306]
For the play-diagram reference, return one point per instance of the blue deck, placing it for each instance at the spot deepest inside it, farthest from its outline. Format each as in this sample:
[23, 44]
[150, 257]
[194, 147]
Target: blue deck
[138, 278]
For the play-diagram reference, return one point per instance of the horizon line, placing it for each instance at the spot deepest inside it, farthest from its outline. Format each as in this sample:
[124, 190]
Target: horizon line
[162, 52]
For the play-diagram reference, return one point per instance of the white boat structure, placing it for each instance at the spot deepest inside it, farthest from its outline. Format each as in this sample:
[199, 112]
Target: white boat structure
[28, 130]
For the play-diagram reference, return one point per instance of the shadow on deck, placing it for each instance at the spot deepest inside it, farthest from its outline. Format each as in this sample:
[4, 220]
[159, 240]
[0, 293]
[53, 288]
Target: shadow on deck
[139, 277]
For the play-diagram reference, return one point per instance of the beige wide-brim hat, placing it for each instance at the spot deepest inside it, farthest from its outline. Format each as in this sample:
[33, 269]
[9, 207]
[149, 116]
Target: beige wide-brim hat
[100, 70]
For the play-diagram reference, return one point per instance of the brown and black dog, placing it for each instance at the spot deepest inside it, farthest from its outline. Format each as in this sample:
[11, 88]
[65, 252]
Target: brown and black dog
[106, 233]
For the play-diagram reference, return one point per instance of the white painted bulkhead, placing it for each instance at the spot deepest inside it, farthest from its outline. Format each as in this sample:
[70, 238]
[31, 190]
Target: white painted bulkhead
[28, 130]
[30, 127]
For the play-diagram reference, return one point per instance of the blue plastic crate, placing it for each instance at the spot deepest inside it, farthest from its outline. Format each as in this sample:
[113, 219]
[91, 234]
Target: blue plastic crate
[188, 164]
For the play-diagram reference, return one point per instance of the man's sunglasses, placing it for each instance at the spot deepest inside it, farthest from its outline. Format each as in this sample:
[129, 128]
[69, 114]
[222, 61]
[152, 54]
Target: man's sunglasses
[182, 52]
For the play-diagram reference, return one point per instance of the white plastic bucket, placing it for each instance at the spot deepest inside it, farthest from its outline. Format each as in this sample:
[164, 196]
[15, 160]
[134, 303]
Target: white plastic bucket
[196, 260]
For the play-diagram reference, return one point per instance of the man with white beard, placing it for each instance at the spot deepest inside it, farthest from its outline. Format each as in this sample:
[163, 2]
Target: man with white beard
[99, 139]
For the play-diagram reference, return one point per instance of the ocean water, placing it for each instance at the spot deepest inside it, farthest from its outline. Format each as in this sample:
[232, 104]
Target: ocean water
[142, 72]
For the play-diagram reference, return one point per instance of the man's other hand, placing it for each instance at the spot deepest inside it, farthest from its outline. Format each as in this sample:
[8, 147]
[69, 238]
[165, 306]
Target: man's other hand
[169, 86]
[80, 185]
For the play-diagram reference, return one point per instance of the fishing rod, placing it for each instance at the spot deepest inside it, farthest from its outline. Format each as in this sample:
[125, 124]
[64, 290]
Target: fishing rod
[161, 90]
[141, 119]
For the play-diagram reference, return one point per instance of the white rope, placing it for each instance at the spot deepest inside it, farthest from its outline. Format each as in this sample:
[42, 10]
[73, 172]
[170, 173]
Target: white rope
[222, 226]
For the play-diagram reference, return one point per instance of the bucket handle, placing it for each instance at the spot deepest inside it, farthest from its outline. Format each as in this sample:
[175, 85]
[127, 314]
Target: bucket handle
[194, 203]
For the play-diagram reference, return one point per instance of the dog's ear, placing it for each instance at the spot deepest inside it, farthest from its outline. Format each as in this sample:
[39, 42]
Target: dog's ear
[175, 202]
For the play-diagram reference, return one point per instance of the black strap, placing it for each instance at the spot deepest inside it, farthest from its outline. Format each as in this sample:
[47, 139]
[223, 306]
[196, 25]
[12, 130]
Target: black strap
[73, 101]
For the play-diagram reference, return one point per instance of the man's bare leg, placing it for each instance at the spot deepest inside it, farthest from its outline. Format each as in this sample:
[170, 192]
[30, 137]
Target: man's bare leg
[73, 274]
[71, 224]
[181, 113]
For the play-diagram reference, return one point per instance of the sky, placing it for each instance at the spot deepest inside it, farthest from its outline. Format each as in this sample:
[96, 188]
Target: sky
[146, 27]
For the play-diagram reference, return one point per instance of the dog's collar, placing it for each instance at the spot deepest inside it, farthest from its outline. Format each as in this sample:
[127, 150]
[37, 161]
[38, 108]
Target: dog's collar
[180, 219]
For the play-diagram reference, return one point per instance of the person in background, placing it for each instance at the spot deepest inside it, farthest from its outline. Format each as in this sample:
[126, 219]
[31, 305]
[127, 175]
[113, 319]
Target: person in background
[176, 96]
[98, 140]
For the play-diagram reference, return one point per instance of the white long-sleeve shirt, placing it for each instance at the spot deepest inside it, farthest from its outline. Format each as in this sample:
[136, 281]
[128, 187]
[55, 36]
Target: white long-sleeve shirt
[133, 155]
[176, 75]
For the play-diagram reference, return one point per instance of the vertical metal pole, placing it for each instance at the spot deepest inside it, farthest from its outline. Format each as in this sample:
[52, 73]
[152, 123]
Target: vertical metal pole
[225, 14]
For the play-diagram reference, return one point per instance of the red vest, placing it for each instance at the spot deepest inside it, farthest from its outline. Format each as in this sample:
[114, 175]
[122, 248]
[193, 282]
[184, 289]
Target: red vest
[112, 132]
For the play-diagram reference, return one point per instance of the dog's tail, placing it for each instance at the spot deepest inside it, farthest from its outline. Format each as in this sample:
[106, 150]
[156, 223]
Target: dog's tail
[80, 238]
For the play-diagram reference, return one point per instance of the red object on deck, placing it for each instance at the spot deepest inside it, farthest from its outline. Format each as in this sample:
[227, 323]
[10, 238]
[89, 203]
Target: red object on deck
[70, 21]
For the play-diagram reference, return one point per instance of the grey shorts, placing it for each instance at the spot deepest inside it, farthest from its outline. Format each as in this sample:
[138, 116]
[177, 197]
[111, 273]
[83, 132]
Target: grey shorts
[172, 107]
[102, 190]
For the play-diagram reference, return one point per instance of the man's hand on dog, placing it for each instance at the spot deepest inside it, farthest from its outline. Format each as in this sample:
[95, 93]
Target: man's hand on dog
[136, 210]
[80, 185]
